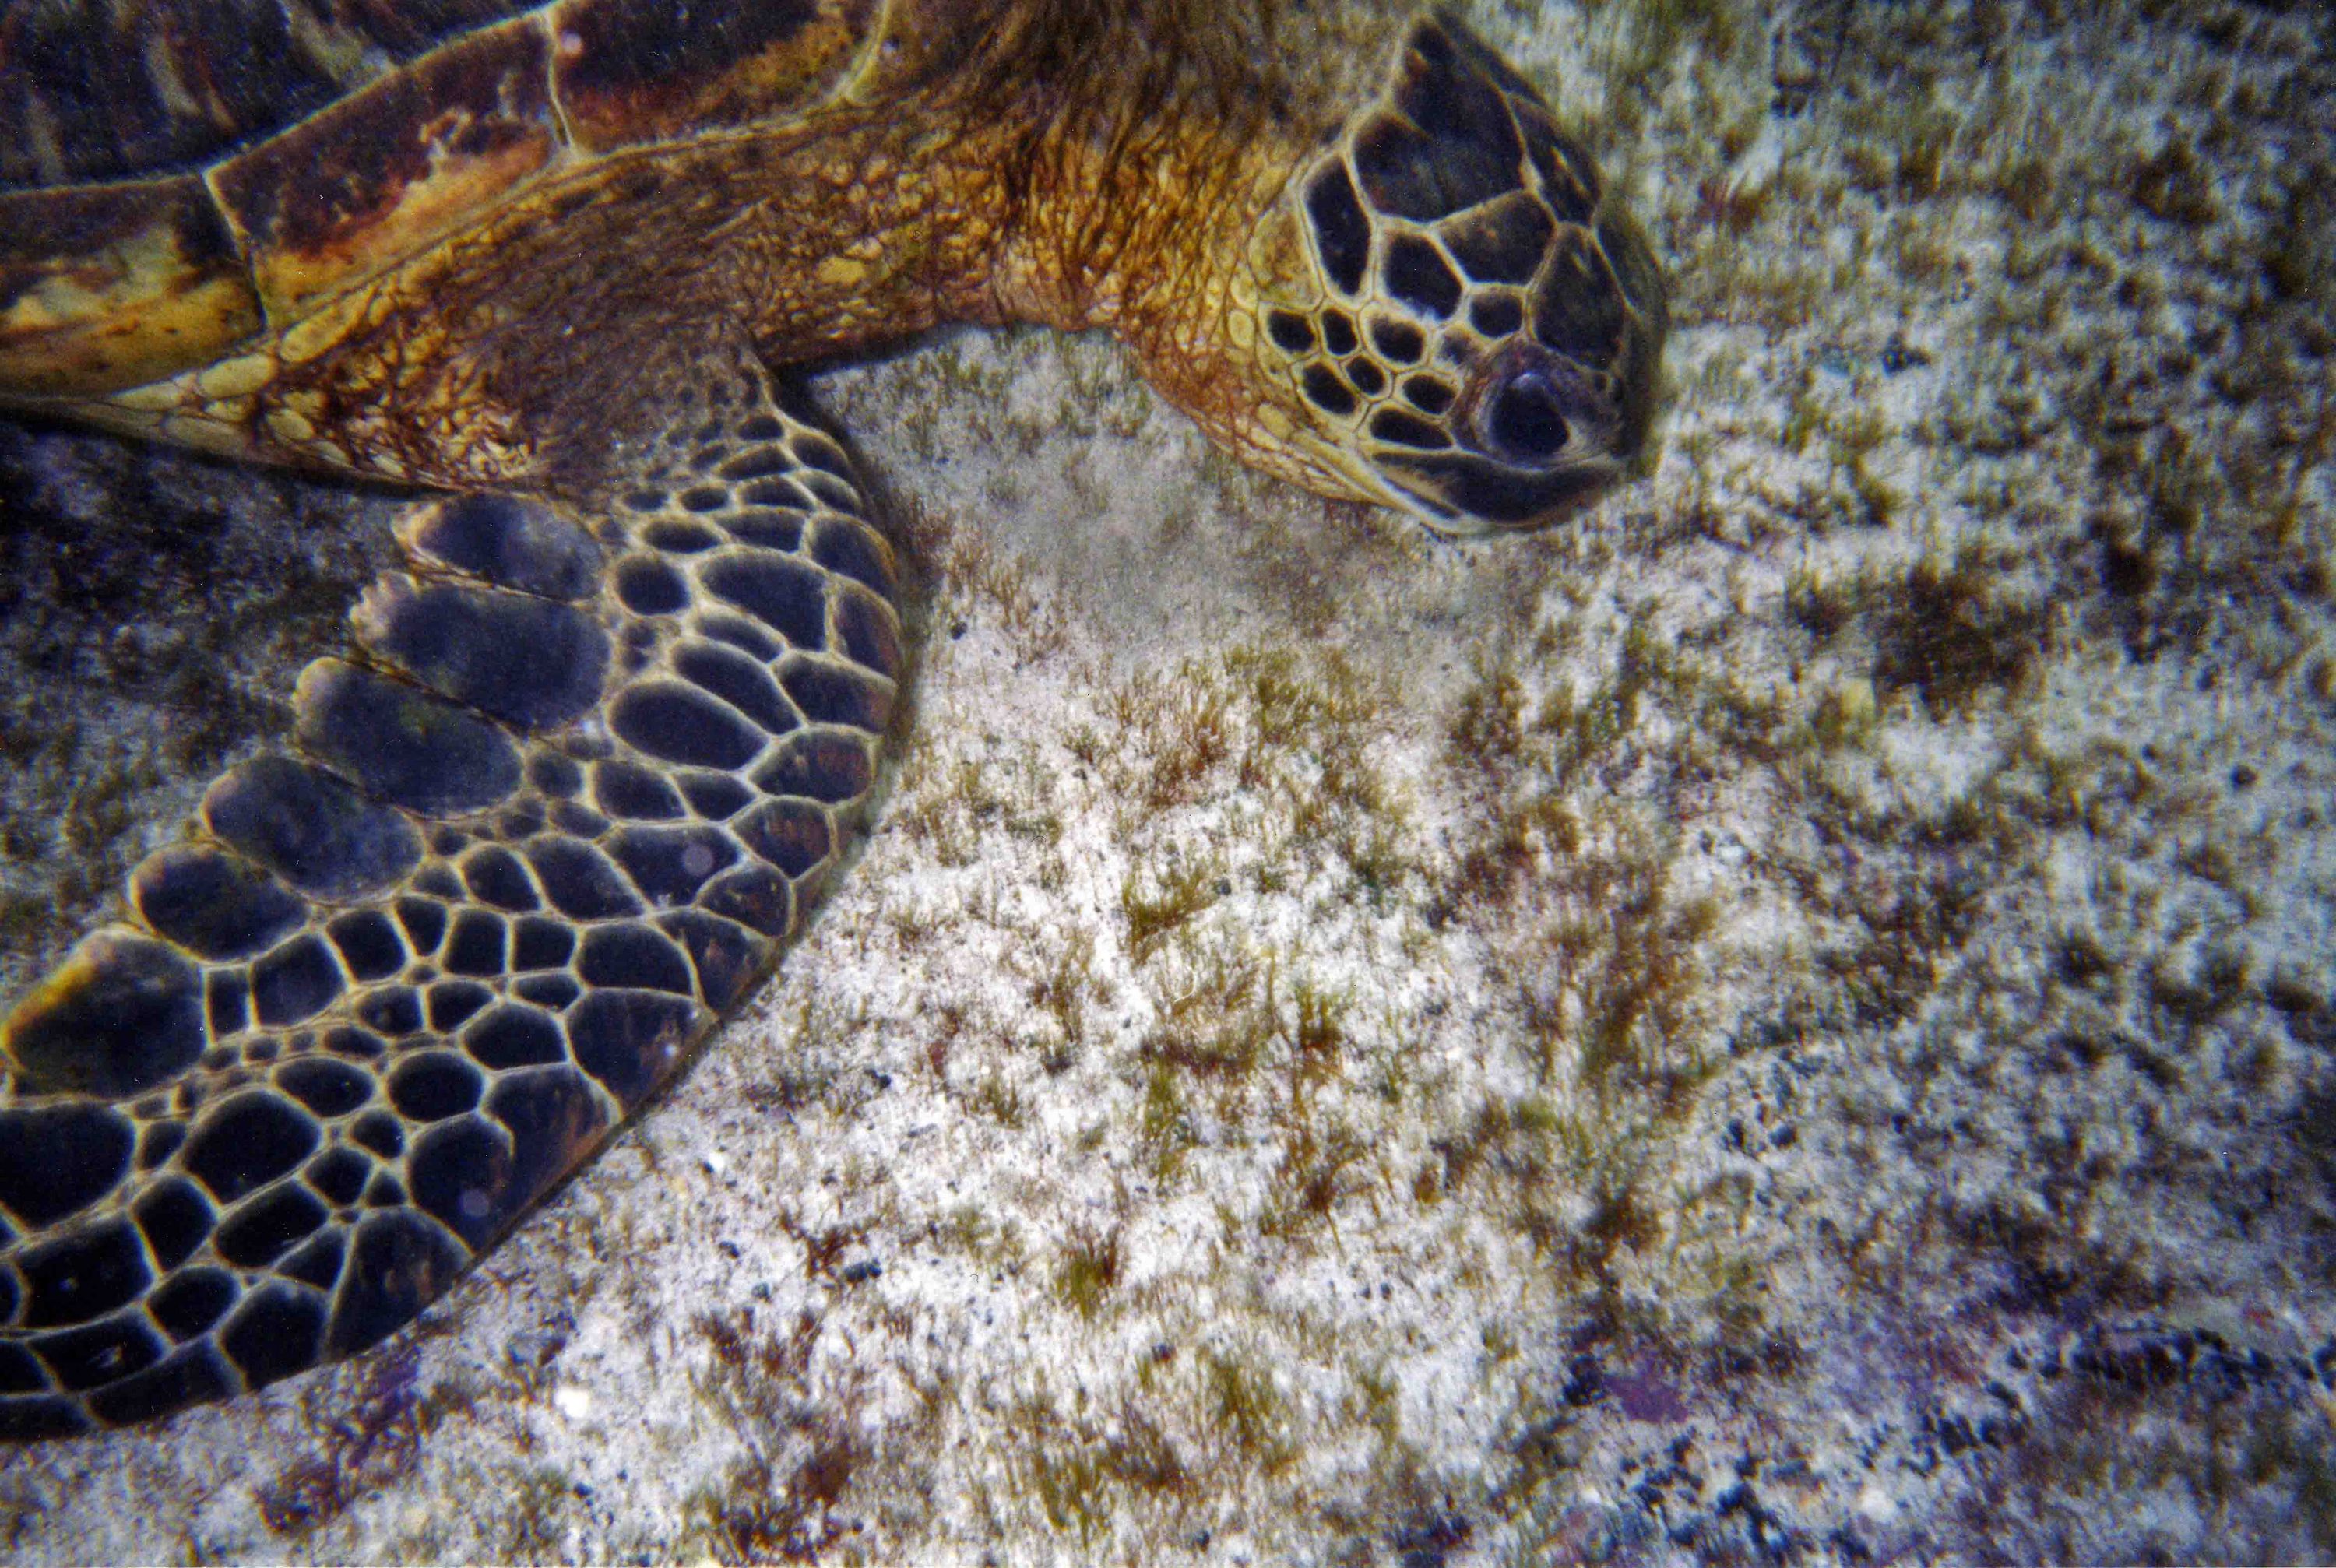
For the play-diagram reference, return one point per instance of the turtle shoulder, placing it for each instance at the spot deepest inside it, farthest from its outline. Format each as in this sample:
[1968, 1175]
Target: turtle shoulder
[139, 242]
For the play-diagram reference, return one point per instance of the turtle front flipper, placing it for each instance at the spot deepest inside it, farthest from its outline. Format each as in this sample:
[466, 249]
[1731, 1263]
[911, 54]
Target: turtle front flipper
[576, 788]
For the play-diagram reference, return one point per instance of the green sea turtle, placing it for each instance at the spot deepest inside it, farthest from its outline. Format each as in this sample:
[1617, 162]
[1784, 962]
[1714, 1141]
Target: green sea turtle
[596, 751]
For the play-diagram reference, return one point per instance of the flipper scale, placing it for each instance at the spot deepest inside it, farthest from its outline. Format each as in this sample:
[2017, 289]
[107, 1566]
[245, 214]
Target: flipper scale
[556, 813]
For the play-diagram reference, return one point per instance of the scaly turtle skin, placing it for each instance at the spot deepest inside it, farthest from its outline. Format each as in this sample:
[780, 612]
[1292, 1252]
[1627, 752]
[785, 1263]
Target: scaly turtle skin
[595, 754]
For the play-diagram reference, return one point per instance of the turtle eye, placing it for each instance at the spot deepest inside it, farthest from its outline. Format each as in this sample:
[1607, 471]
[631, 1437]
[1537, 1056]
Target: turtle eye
[1523, 419]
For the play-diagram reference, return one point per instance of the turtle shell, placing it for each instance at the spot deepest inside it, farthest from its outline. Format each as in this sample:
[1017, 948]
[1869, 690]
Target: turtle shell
[179, 176]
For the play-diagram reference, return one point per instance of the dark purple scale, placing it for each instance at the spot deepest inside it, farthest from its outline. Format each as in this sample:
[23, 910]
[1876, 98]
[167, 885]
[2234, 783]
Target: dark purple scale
[632, 957]
[553, 1116]
[397, 1262]
[816, 451]
[194, 1376]
[680, 537]
[1428, 395]
[742, 635]
[1567, 181]
[424, 923]
[394, 1010]
[451, 1002]
[357, 1045]
[580, 881]
[213, 904]
[264, 1229]
[513, 542]
[770, 527]
[1401, 429]
[715, 796]
[57, 1160]
[440, 881]
[550, 991]
[192, 1301]
[754, 896]
[1495, 315]
[159, 1141]
[738, 680]
[867, 634]
[575, 821]
[402, 746]
[669, 865]
[726, 957]
[1292, 333]
[541, 944]
[276, 1332]
[317, 1264]
[1399, 341]
[679, 723]
[648, 586]
[514, 1037]
[368, 943]
[175, 1218]
[91, 1357]
[380, 1132]
[495, 876]
[629, 1040]
[631, 792]
[759, 463]
[432, 1085]
[790, 835]
[557, 776]
[526, 661]
[833, 492]
[817, 766]
[83, 1275]
[1577, 308]
[479, 945]
[339, 1175]
[461, 1176]
[853, 550]
[135, 1021]
[297, 981]
[783, 593]
[832, 694]
[1325, 392]
[227, 1002]
[247, 1142]
[325, 1086]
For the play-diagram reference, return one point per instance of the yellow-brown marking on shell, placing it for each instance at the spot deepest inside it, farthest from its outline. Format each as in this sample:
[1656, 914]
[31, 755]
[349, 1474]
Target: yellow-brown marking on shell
[352, 190]
[626, 74]
[113, 286]
[238, 377]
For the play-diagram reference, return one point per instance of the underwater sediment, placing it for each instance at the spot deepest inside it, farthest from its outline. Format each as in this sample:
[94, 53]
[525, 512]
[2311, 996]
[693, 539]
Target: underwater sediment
[1791, 1019]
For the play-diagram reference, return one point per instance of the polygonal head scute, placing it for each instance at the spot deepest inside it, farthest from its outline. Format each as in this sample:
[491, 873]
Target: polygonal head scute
[1465, 322]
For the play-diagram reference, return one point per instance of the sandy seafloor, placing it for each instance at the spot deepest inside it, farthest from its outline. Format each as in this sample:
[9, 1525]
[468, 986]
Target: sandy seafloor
[1792, 1021]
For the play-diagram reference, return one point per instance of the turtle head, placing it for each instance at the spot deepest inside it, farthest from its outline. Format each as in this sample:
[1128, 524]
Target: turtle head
[1452, 308]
